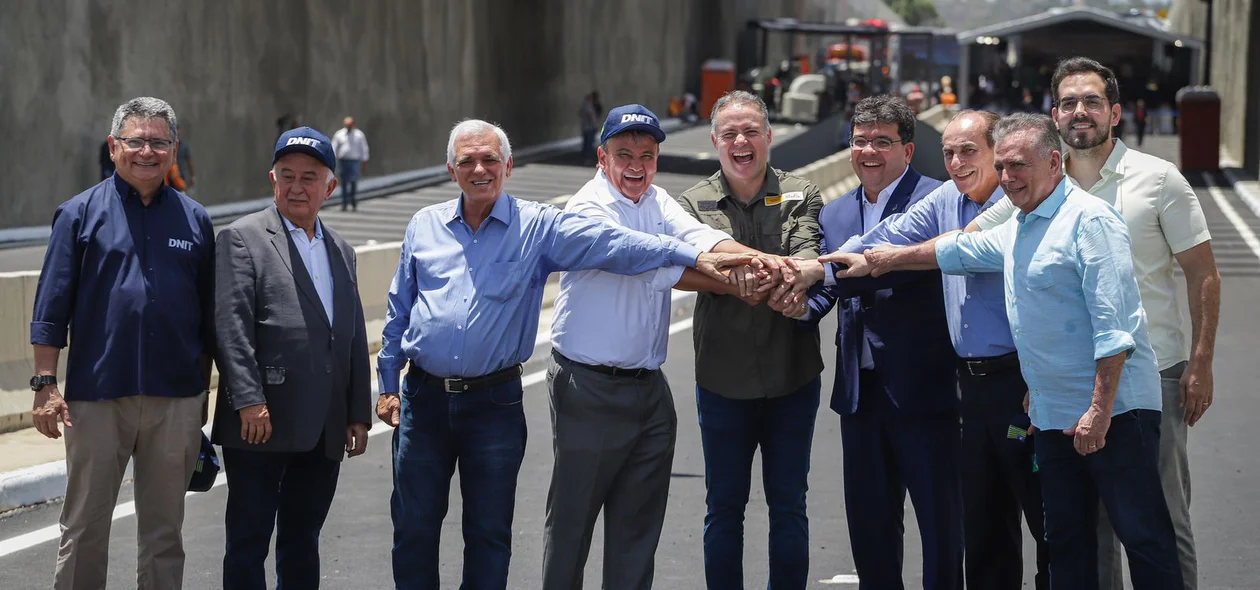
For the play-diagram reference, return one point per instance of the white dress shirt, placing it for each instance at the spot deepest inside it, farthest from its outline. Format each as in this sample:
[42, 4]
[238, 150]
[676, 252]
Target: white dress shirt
[314, 255]
[350, 144]
[871, 213]
[608, 319]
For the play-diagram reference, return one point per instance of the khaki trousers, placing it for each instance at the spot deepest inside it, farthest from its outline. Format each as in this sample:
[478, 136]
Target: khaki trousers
[164, 436]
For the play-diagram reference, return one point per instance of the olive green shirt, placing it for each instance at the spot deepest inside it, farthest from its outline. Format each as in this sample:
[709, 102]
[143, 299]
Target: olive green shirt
[745, 352]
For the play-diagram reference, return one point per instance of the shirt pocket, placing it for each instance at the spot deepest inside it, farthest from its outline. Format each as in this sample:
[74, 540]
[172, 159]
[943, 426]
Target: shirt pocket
[502, 281]
[717, 220]
[1050, 269]
[773, 240]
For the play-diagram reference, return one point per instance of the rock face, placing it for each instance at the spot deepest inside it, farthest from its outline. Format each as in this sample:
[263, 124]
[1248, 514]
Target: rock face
[407, 71]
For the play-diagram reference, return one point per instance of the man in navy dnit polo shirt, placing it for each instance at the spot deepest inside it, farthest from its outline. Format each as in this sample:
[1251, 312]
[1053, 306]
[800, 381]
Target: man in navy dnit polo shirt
[129, 274]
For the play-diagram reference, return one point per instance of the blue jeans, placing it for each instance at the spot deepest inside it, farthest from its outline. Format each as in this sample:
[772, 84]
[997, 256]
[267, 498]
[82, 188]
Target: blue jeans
[483, 433]
[1125, 476]
[290, 492]
[349, 182]
[730, 432]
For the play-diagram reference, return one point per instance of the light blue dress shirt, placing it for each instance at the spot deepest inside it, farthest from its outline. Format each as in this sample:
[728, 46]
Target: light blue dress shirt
[314, 255]
[975, 305]
[1072, 298]
[466, 304]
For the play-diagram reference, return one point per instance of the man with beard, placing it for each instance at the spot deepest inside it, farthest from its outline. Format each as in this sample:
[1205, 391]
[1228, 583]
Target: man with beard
[1166, 223]
[998, 480]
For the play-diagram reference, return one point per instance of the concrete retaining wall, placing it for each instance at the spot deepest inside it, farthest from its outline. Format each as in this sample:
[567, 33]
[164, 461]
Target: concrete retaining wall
[406, 70]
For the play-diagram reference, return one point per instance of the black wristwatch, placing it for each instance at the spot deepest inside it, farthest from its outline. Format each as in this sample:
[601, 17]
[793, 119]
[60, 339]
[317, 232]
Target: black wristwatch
[39, 382]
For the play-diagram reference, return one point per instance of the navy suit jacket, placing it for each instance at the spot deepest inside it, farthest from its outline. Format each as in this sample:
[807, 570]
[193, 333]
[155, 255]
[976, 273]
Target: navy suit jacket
[901, 313]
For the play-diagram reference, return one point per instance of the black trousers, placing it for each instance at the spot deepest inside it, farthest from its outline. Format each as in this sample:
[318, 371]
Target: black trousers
[289, 493]
[998, 483]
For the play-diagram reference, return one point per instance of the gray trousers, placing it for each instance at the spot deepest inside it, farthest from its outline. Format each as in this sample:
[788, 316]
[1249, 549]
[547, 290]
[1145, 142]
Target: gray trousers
[1174, 474]
[613, 440]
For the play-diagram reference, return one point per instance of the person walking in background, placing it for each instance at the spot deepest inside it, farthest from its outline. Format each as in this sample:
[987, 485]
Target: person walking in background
[351, 146]
[184, 162]
[588, 120]
[1139, 117]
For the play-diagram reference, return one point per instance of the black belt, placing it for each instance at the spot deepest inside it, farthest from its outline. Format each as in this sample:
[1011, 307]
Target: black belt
[464, 385]
[607, 370]
[989, 365]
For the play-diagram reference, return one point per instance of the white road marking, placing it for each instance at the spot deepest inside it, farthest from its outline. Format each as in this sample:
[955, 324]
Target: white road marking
[840, 579]
[1222, 201]
[53, 532]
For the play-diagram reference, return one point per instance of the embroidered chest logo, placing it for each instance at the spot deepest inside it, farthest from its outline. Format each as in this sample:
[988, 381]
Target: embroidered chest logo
[181, 244]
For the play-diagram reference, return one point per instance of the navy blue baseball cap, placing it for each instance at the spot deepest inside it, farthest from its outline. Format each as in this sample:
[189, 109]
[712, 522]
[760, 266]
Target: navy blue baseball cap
[630, 117]
[307, 141]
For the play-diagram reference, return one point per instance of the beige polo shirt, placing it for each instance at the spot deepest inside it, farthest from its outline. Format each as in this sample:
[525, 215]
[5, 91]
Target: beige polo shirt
[1164, 219]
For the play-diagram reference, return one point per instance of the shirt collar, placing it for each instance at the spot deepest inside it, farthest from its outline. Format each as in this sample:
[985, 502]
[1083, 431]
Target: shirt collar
[319, 227]
[502, 209]
[1115, 162]
[997, 195]
[771, 187]
[1051, 205]
[608, 194]
[126, 191]
[885, 194]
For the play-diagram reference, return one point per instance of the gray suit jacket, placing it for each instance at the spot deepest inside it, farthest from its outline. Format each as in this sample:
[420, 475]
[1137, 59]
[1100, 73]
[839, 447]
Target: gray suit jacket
[276, 345]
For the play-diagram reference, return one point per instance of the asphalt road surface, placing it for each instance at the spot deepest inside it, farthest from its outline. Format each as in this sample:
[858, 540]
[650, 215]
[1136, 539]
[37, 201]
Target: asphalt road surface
[1225, 462]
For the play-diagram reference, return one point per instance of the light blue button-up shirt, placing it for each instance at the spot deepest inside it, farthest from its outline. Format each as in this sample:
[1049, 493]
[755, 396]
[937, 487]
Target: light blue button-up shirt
[314, 255]
[465, 304]
[1072, 298]
[975, 306]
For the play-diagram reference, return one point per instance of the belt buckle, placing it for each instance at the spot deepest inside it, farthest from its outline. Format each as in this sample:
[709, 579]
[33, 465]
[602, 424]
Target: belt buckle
[449, 385]
[971, 368]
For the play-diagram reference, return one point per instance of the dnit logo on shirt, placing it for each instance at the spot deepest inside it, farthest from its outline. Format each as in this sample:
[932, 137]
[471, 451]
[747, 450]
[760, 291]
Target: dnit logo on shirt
[181, 244]
[307, 141]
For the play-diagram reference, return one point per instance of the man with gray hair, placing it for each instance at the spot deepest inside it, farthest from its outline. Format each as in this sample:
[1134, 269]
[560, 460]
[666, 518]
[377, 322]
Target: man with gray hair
[287, 415]
[462, 316]
[130, 270]
[1081, 333]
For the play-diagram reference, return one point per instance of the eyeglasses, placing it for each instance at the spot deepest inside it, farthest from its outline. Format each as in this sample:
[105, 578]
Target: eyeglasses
[881, 144]
[136, 144]
[1093, 103]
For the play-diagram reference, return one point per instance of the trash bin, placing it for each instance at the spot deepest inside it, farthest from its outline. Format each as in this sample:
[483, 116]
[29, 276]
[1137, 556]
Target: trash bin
[1200, 128]
[717, 77]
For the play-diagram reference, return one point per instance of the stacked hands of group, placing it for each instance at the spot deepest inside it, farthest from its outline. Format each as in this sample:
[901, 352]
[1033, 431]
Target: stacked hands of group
[783, 282]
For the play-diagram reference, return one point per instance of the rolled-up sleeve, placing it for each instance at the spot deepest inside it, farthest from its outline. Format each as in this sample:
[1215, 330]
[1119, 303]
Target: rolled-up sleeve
[58, 281]
[806, 238]
[1108, 283]
[968, 253]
